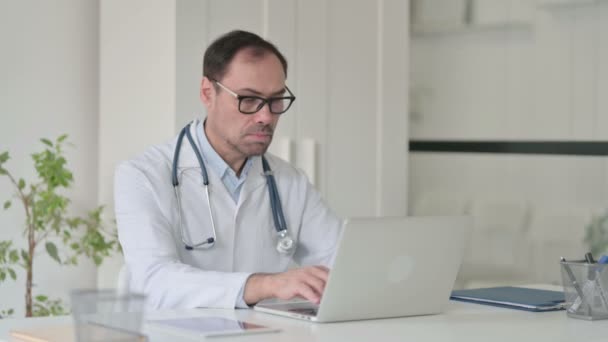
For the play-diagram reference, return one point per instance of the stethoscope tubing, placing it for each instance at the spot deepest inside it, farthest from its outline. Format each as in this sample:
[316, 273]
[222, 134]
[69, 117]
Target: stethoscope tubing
[275, 200]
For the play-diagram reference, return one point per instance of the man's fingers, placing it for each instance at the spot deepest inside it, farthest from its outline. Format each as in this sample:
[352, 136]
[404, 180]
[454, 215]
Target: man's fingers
[315, 278]
[304, 290]
[320, 272]
[308, 283]
[317, 284]
[323, 268]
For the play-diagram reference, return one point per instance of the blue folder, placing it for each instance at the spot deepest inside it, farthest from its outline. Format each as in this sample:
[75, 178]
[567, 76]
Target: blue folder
[513, 297]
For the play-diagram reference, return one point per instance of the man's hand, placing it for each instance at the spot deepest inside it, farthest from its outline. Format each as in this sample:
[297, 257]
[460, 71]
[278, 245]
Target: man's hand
[307, 282]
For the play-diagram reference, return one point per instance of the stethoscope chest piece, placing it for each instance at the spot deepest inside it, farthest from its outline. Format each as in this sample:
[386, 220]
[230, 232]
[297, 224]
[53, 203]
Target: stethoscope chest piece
[286, 244]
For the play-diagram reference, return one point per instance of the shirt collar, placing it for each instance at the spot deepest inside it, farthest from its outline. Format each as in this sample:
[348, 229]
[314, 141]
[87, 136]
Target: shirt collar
[213, 159]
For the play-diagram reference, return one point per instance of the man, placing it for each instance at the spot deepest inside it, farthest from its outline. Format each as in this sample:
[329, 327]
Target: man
[184, 249]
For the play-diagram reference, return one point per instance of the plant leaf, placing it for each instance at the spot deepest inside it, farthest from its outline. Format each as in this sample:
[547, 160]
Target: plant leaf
[24, 256]
[52, 250]
[42, 298]
[4, 157]
[7, 204]
[21, 184]
[13, 256]
[97, 260]
[12, 273]
[47, 142]
[62, 138]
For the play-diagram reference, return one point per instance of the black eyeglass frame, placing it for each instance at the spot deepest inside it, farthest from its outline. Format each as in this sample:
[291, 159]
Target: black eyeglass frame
[263, 101]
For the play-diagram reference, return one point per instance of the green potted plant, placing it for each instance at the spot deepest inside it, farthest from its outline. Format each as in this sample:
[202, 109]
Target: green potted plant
[48, 223]
[596, 234]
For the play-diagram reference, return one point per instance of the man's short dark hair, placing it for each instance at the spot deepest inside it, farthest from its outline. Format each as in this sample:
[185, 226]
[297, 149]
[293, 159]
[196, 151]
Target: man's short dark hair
[221, 52]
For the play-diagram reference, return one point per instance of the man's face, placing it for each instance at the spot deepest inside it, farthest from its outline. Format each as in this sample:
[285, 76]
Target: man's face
[236, 134]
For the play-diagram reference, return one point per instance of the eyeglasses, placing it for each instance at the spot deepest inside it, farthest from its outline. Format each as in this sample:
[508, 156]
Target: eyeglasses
[249, 104]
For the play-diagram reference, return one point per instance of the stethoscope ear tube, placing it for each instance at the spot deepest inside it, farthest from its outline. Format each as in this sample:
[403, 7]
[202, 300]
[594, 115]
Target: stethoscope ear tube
[200, 159]
[209, 242]
[178, 147]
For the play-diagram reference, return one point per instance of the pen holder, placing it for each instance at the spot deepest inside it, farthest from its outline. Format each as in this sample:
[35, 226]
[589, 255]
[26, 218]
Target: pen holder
[585, 289]
[107, 315]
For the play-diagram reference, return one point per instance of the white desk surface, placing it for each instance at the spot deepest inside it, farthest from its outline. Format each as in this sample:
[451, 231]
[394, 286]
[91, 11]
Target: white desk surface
[460, 322]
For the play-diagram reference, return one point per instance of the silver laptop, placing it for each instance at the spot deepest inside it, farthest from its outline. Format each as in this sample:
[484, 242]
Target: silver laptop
[387, 267]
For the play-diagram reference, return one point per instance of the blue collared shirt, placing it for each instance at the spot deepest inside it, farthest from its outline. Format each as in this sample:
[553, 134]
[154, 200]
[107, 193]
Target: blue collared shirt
[216, 164]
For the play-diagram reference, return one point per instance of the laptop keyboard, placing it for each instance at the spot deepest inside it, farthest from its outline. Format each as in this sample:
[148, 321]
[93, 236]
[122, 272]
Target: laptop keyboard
[305, 311]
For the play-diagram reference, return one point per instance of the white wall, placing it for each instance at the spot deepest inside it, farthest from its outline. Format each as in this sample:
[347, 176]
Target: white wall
[541, 77]
[48, 86]
[191, 39]
[137, 90]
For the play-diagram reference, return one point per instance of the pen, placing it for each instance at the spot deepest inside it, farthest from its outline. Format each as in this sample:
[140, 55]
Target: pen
[590, 272]
[589, 258]
[577, 287]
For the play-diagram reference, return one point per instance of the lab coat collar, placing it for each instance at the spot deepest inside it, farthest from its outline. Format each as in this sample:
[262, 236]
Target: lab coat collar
[187, 159]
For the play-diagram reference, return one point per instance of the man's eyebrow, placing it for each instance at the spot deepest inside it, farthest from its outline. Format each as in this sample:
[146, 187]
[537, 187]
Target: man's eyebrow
[253, 91]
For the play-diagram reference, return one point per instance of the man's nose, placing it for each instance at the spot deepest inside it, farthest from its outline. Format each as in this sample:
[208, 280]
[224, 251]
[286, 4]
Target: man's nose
[264, 116]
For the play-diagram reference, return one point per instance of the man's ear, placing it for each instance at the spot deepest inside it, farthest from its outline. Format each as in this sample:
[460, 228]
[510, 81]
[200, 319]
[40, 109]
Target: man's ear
[207, 93]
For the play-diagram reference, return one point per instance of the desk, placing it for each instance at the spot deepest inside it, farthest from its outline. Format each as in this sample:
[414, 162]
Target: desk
[460, 322]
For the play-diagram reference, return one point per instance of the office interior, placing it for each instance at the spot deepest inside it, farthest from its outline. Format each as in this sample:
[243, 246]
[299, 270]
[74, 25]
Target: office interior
[118, 76]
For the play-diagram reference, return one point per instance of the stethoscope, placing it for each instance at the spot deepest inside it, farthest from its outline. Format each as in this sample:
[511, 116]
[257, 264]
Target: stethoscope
[285, 243]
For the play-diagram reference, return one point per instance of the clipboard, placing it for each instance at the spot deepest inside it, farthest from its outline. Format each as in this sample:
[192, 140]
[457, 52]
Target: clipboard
[511, 297]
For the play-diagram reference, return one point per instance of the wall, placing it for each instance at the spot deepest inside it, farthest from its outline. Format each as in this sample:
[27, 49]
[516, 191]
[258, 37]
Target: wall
[48, 86]
[525, 69]
[137, 90]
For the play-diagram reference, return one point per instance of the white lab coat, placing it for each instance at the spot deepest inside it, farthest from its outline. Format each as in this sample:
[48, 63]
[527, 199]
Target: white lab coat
[173, 277]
